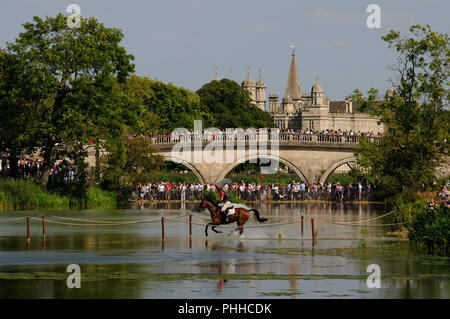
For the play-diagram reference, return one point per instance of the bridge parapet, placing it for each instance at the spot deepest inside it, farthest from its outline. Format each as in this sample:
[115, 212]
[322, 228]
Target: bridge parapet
[282, 138]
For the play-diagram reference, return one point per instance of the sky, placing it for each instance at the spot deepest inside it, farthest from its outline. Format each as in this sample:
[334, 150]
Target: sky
[182, 41]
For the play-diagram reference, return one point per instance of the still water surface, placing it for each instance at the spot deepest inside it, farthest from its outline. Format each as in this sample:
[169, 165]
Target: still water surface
[131, 261]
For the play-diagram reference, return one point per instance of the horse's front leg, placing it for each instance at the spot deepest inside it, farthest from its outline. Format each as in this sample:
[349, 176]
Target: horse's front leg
[213, 224]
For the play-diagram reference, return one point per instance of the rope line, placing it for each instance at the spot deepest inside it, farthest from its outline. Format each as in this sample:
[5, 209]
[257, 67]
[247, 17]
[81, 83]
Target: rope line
[246, 226]
[12, 220]
[344, 224]
[283, 222]
[92, 221]
[104, 224]
[357, 221]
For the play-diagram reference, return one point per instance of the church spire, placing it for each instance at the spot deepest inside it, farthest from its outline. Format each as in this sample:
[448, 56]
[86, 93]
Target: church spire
[293, 89]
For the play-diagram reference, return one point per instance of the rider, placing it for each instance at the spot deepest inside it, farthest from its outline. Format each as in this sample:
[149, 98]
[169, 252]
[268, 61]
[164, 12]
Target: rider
[225, 198]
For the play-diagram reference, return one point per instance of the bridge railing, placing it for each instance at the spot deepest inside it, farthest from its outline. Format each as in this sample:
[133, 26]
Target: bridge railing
[286, 138]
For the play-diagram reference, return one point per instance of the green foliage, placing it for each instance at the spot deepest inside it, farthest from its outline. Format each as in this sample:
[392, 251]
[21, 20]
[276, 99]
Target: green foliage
[132, 161]
[351, 177]
[175, 177]
[20, 194]
[96, 197]
[57, 88]
[231, 106]
[362, 241]
[164, 106]
[213, 197]
[416, 117]
[234, 197]
[430, 229]
[282, 178]
[404, 206]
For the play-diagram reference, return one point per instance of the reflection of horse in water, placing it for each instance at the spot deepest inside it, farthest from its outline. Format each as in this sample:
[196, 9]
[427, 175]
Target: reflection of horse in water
[240, 216]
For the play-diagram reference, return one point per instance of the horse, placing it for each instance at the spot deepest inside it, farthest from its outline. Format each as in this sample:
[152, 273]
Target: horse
[240, 216]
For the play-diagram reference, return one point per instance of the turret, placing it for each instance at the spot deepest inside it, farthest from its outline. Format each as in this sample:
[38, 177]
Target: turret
[249, 85]
[273, 103]
[317, 92]
[261, 93]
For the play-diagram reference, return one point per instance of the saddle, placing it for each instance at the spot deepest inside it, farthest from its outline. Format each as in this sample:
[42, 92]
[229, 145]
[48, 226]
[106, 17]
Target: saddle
[230, 210]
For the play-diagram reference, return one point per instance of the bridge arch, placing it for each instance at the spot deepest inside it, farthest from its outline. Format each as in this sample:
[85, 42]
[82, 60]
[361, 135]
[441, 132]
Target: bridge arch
[247, 158]
[188, 165]
[331, 169]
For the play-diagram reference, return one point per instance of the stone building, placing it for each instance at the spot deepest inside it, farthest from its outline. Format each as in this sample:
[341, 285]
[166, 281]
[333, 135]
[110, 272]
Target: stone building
[310, 109]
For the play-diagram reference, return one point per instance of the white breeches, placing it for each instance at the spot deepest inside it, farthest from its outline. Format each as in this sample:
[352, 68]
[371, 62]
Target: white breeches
[226, 205]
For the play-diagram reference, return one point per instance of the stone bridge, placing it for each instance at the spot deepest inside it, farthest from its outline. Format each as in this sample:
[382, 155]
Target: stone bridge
[211, 157]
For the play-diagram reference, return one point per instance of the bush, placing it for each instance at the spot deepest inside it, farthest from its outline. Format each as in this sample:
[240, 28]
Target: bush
[175, 177]
[96, 196]
[19, 194]
[213, 197]
[282, 178]
[22, 193]
[431, 229]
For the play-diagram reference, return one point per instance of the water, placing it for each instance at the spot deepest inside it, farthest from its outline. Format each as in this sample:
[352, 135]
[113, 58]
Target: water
[131, 261]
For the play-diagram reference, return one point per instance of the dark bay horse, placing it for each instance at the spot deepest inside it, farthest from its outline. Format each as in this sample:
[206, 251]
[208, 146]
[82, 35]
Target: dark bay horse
[240, 216]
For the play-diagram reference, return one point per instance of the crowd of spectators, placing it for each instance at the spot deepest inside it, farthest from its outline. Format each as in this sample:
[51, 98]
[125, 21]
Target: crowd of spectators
[28, 168]
[444, 195]
[215, 132]
[361, 191]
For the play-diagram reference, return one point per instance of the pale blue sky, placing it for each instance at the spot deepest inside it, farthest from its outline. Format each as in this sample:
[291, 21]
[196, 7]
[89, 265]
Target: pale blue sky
[181, 41]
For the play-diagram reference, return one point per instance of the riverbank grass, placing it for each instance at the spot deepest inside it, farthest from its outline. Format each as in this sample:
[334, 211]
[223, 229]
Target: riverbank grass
[25, 194]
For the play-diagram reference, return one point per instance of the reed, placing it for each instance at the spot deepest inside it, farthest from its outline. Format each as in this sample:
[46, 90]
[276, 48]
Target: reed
[26, 194]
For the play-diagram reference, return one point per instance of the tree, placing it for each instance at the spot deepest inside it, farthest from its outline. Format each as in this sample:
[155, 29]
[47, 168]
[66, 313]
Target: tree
[13, 112]
[61, 93]
[133, 161]
[164, 107]
[415, 117]
[231, 106]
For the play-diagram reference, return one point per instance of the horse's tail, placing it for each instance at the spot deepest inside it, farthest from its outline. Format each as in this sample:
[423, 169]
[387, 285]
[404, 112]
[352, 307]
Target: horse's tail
[260, 219]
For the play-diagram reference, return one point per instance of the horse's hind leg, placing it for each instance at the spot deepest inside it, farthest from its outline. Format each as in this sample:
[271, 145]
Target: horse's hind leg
[217, 231]
[240, 227]
[241, 222]
[206, 230]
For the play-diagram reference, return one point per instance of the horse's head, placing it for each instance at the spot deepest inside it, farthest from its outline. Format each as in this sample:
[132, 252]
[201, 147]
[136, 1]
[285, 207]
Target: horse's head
[203, 204]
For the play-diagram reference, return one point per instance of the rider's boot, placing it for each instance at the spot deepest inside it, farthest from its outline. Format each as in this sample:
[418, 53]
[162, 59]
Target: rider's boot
[226, 215]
